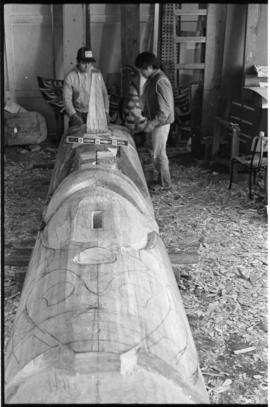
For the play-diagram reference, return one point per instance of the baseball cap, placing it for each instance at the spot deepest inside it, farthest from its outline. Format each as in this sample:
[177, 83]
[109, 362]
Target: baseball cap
[86, 55]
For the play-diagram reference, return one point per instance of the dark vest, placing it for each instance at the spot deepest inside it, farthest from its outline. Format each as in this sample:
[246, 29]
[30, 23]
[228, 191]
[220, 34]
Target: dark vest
[152, 107]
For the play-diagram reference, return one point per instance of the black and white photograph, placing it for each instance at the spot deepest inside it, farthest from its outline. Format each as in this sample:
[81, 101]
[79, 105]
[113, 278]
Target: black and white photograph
[134, 203]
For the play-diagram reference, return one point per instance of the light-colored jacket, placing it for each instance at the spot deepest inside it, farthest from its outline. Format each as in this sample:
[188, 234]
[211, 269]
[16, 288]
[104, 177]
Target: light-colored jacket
[76, 91]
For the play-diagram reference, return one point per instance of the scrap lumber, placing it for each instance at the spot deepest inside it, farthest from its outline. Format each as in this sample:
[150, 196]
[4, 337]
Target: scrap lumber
[19, 253]
[17, 257]
[183, 257]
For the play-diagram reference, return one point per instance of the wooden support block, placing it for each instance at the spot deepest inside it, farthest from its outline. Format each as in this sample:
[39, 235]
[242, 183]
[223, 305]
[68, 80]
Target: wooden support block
[188, 246]
[184, 258]
[44, 165]
[24, 244]
[186, 240]
[18, 257]
[20, 276]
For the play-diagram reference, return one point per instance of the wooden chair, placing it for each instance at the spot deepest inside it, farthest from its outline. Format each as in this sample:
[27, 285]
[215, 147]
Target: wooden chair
[253, 162]
[236, 131]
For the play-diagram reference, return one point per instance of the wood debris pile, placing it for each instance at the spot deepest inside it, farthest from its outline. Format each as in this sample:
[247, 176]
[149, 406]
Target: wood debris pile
[225, 294]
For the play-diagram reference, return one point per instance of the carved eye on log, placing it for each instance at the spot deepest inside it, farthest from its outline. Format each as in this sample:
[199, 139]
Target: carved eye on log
[97, 220]
[95, 255]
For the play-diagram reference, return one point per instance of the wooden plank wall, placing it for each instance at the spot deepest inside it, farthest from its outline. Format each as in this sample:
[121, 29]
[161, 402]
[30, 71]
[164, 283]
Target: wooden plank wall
[105, 26]
[73, 33]
[28, 41]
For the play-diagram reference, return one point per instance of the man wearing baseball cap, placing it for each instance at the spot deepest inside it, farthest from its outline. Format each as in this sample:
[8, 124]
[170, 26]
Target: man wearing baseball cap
[76, 90]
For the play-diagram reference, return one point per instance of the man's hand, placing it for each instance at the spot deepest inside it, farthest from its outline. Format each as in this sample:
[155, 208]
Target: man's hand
[75, 121]
[149, 127]
[140, 125]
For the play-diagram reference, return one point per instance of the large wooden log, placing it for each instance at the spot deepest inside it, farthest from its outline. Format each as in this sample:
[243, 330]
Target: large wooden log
[100, 318]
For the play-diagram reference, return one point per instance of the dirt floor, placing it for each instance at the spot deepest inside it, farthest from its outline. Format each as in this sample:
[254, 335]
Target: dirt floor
[224, 294]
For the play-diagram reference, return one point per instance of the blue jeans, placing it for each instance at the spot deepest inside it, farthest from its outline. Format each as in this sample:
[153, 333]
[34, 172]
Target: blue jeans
[159, 137]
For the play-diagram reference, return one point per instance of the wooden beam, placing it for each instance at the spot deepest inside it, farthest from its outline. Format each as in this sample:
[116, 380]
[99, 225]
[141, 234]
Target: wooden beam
[73, 33]
[156, 29]
[21, 257]
[190, 66]
[57, 33]
[215, 34]
[130, 39]
[190, 39]
[87, 26]
[199, 12]
[180, 258]
[233, 57]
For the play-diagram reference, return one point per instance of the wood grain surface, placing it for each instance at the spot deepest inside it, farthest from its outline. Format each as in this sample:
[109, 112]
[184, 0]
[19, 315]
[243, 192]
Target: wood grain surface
[101, 319]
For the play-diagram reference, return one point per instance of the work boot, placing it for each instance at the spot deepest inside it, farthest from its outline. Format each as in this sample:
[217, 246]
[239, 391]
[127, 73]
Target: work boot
[159, 188]
[166, 188]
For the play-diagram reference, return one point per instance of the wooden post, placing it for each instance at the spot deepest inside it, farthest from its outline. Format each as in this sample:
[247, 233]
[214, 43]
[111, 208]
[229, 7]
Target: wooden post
[215, 37]
[73, 36]
[58, 58]
[130, 39]
[57, 32]
[87, 26]
[73, 33]
[156, 29]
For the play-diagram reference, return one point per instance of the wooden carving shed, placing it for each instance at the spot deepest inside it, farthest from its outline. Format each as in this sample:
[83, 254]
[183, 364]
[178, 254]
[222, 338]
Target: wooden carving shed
[206, 48]
[100, 316]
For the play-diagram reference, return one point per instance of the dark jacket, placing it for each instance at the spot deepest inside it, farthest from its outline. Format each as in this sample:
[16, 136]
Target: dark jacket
[157, 99]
